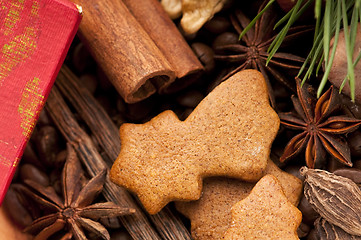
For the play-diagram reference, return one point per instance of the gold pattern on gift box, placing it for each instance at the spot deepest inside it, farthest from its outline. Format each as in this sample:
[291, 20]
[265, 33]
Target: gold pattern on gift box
[22, 46]
[7, 162]
[35, 8]
[7, 144]
[4, 161]
[13, 16]
[31, 101]
[16, 162]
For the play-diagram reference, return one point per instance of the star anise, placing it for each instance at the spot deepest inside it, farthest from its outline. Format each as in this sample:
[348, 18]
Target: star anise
[251, 50]
[73, 213]
[320, 129]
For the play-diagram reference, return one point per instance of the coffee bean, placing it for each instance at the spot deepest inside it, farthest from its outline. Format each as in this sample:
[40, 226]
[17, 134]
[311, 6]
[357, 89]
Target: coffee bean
[120, 235]
[140, 110]
[354, 142]
[303, 230]
[217, 80]
[189, 98]
[217, 25]
[280, 91]
[14, 208]
[54, 176]
[313, 235]
[294, 170]
[205, 55]
[47, 144]
[103, 80]
[60, 159]
[121, 105]
[229, 5]
[82, 59]
[356, 163]
[309, 215]
[334, 164]
[30, 172]
[350, 173]
[89, 81]
[106, 103]
[113, 223]
[16, 174]
[118, 119]
[58, 187]
[43, 119]
[224, 39]
[183, 115]
[29, 156]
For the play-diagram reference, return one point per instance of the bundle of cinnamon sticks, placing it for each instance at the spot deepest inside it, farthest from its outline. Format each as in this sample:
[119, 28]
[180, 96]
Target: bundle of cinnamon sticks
[138, 47]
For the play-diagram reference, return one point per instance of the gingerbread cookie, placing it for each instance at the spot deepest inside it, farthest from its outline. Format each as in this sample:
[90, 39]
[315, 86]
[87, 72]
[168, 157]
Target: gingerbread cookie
[211, 215]
[265, 214]
[228, 134]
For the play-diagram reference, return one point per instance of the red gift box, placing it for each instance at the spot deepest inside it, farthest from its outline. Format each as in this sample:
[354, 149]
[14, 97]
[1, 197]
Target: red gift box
[35, 36]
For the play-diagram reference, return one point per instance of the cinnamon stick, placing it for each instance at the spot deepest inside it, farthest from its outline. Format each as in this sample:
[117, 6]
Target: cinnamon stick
[126, 53]
[156, 22]
[168, 225]
[137, 224]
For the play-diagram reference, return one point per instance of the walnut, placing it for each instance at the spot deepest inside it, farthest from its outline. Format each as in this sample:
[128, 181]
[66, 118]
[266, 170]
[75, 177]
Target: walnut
[198, 12]
[173, 8]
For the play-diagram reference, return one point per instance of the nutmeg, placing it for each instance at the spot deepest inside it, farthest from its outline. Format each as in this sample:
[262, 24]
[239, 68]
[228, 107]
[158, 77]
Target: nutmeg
[225, 38]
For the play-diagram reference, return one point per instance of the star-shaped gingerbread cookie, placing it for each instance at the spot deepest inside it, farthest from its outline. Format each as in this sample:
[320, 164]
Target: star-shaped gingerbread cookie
[211, 215]
[228, 134]
[265, 214]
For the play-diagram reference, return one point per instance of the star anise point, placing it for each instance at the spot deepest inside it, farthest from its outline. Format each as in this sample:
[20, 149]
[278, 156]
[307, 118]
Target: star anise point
[75, 212]
[252, 50]
[321, 132]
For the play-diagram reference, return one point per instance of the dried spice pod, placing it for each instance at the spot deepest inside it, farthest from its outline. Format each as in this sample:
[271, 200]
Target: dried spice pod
[75, 210]
[328, 231]
[335, 198]
[323, 129]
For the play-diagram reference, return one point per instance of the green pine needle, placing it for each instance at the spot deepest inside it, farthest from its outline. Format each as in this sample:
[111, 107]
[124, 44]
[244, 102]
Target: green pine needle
[349, 53]
[328, 65]
[336, 15]
[253, 22]
[281, 36]
[318, 6]
[327, 30]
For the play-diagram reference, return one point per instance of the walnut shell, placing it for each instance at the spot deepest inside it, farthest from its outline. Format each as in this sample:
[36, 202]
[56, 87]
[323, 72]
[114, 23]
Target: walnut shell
[173, 8]
[198, 12]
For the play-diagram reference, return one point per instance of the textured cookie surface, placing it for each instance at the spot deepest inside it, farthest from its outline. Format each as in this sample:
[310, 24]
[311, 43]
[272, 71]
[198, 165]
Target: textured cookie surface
[228, 134]
[265, 214]
[211, 215]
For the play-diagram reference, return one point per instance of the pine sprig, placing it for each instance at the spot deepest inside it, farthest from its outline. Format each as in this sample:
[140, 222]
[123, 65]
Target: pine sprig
[336, 15]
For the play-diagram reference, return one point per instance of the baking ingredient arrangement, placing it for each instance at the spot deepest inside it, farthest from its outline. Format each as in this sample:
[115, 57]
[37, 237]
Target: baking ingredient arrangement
[184, 119]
